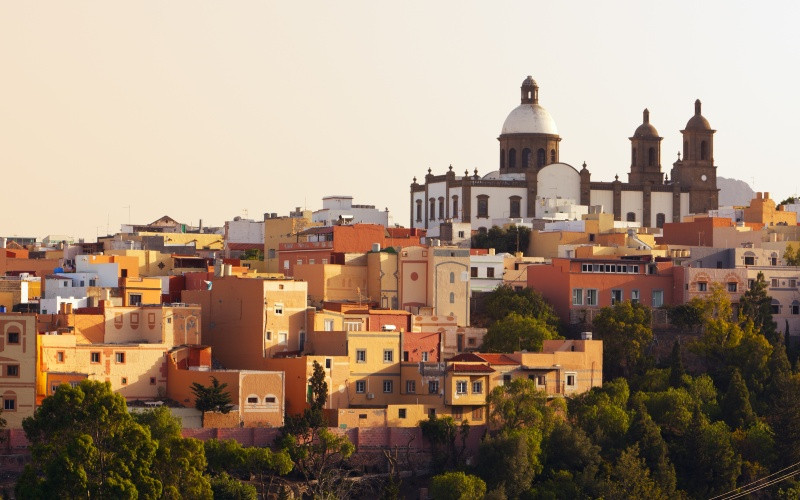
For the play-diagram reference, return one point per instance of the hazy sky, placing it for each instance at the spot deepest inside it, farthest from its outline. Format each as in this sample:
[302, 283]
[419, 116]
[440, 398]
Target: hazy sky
[209, 110]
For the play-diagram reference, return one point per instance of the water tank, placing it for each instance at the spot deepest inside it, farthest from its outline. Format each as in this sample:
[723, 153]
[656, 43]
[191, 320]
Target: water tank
[376, 247]
[586, 335]
[58, 270]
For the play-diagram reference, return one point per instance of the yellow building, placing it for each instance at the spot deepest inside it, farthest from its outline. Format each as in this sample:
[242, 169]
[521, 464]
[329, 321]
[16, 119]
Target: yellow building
[19, 290]
[436, 277]
[333, 282]
[279, 230]
[382, 272]
[17, 367]
[138, 291]
[763, 210]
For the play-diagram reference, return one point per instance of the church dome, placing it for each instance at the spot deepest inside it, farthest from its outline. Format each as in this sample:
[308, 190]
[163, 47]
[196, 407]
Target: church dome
[646, 129]
[529, 117]
[698, 121]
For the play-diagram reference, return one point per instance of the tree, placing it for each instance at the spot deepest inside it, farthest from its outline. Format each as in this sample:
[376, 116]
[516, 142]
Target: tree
[253, 254]
[516, 333]
[625, 331]
[756, 305]
[571, 463]
[226, 487]
[230, 457]
[676, 369]
[736, 407]
[518, 404]
[85, 443]
[213, 397]
[527, 302]
[457, 486]
[508, 461]
[652, 448]
[784, 418]
[441, 433]
[602, 413]
[179, 462]
[512, 239]
[707, 462]
[630, 478]
[792, 256]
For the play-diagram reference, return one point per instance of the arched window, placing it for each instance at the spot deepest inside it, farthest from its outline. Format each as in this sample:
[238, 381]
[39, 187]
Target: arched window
[526, 158]
[703, 150]
[502, 158]
[552, 156]
[631, 217]
[431, 209]
[660, 219]
[775, 306]
[419, 210]
[633, 156]
[441, 207]
[452, 298]
[514, 206]
[795, 307]
[540, 157]
[455, 207]
[685, 150]
[452, 277]
[512, 158]
[651, 157]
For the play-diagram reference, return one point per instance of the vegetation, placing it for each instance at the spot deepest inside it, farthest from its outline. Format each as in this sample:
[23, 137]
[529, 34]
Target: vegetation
[213, 397]
[511, 240]
[792, 256]
[518, 320]
[625, 331]
[457, 486]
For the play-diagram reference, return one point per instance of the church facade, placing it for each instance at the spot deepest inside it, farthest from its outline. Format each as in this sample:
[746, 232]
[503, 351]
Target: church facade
[530, 172]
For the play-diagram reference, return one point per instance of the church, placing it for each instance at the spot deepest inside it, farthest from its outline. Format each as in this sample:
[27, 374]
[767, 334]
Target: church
[530, 173]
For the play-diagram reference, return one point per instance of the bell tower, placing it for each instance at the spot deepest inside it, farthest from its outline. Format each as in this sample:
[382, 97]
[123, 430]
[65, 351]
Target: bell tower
[696, 170]
[645, 153]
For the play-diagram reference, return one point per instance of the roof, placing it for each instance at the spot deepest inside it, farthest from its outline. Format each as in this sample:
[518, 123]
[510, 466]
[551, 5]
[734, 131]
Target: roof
[497, 359]
[468, 357]
[470, 368]
[529, 119]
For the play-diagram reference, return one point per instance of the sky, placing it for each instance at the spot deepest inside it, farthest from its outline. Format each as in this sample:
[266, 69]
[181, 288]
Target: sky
[117, 112]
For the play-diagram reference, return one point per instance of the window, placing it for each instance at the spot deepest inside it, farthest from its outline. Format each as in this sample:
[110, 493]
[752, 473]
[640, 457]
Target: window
[278, 308]
[774, 283]
[541, 380]
[749, 260]
[552, 156]
[361, 355]
[124, 380]
[441, 207]
[388, 386]
[461, 387]
[458, 413]
[477, 413]
[271, 254]
[60, 356]
[135, 299]
[252, 400]
[616, 296]
[432, 412]
[502, 158]
[269, 399]
[94, 357]
[795, 307]
[9, 403]
[685, 150]
[577, 297]
[13, 337]
[12, 370]
[526, 158]
[792, 284]
[750, 283]
[514, 206]
[328, 325]
[477, 387]
[268, 336]
[152, 381]
[452, 277]
[401, 413]
[473, 272]
[732, 287]
[775, 307]
[388, 355]
[570, 380]
[506, 378]
[658, 298]
[361, 386]
[419, 210]
[311, 261]
[452, 298]
[591, 297]
[328, 363]
[660, 220]
[433, 387]
[631, 217]
[282, 337]
[512, 158]
[483, 206]
[490, 272]
[633, 156]
[285, 264]
[703, 150]
[352, 326]
[424, 356]
[635, 296]
[411, 386]
[540, 157]
[431, 209]
[119, 357]
[702, 286]
[455, 210]
[405, 356]
[651, 157]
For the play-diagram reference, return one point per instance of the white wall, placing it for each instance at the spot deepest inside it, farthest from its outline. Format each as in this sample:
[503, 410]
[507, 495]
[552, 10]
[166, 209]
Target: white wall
[660, 203]
[499, 204]
[244, 231]
[631, 201]
[558, 180]
[603, 198]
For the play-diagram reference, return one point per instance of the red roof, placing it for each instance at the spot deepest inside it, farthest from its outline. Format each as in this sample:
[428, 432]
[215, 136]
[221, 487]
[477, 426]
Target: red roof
[467, 368]
[497, 359]
[468, 357]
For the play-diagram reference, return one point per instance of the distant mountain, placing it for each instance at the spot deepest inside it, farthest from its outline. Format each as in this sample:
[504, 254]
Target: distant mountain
[734, 192]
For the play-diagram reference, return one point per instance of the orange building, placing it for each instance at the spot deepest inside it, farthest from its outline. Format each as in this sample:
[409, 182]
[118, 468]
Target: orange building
[17, 367]
[578, 288]
[762, 210]
[14, 262]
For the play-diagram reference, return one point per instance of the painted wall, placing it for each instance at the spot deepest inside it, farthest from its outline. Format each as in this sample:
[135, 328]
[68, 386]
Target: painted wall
[17, 353]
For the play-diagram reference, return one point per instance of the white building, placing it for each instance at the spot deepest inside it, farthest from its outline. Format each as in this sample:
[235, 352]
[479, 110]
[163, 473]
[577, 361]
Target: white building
[242, 235]
[337, 209]
[530, 173]
[486, 271]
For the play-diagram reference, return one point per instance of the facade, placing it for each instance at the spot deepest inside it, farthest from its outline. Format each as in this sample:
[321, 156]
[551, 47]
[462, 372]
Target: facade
[17, 367]
[486, 271]
[436, 277]
[242, 235]
[530, 172]
[278, 230]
